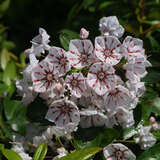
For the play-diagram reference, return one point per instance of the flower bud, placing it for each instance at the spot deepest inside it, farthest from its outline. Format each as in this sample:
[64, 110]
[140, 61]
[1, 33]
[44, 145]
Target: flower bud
[155, 126]
[152, 119]
[84, 33]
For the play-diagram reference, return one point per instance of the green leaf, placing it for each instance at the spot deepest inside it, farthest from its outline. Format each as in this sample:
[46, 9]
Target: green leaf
[65, 37]
[83, 154]
[40, 152]
[4, 58]
[4, 6]
[105, 4]
[10, 108]
[129, 132]
[153, 152]
[3, 88]
[10, 155]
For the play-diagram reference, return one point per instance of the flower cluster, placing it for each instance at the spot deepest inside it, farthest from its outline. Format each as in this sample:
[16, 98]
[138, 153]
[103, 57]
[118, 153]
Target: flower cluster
[90, 84]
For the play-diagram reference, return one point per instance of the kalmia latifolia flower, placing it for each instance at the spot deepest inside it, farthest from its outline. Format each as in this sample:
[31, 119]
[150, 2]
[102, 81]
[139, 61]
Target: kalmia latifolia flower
[76, 84]
[63, 112]
[81, 53]
[108, 49]
[110, 26]
[101, 78]
[118, 151]
[84, 33]
[58, 57]
[44, 76]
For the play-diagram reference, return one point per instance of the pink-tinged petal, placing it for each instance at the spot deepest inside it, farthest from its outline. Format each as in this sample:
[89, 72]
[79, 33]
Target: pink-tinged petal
[118, 151]
[63, 112]
[58, 57]
[44, 76]
[81, 53]
[108, 49]
[76, 84]
[84, 33]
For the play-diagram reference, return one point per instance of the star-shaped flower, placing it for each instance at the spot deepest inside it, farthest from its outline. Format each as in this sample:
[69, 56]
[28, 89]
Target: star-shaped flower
[63, 112]
[101, 78]
[44, 76]
[108, 49]
[81, 53]
[76, 84]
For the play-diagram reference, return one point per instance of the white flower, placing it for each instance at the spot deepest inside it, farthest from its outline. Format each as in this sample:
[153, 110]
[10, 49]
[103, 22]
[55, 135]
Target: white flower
[136, 68]
[134, 47]
[81, 53]
[26, 91]
[92, 117]
[119, 96]
[145, 138]
[58, 57]
[108, 49]
[63, 112]
[61, 153]
[84, 33]
[118, 151]
[111, 26]
[124, 117]
[101, 78]
[76, 84]
[44, 76]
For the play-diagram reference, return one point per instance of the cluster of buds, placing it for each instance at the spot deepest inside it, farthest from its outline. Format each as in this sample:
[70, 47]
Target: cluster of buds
[88, 85]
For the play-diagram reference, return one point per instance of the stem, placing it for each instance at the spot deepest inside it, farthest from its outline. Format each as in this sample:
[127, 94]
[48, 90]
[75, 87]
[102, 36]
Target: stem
[59, 141]
[125, 141]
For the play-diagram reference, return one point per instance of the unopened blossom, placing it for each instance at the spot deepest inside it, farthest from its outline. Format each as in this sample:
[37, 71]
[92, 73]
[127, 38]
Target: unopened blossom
[110, 26]
[101, 78]
[145, 138]
[26, 91]
[108, 49]
[63, 112]
[44, 76]
[136, 68]
[155, 126]
[81, 53]
[133, 46]
[58, 57]
[92, 117]
[61, 153]
[124, 117]
[152, 119]
[119, 96]
[84, 33]
[76, 84]
[118, 151]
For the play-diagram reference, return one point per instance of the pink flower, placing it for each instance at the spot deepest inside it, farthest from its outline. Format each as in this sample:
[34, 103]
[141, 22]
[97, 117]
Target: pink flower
[58, 57]
[44, 76]
[108, 49]
[84, 33]
[101, 78]
[63, 112]
[81, 53]
[76, 84]
[118, 151]
[152, 119]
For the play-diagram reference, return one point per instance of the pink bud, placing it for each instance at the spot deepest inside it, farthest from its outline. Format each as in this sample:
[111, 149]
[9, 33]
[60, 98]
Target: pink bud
[155, 126]
[58, 86]
[152, 119]
[84, 33]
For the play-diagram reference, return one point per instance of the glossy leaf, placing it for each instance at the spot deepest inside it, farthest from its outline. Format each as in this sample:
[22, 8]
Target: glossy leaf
[10, 155]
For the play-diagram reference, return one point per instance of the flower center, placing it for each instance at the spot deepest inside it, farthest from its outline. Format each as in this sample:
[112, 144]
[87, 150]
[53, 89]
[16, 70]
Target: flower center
[119, 155]
[84, 57]
[63, 61]
[101, 75]
[50, 77]
[107, 53]
[74, 82]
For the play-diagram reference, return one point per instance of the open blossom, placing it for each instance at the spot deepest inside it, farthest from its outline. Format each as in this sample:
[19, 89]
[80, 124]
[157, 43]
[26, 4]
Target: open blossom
[39, 43]
[101, 78]
[117, 97]
[58, 57]
[81, 53]
[124, 117]
[108, 49]
[76, 84]
[136, 68]
[44, 76]
[118, 151]
[63, 112]
[145, 138]
[133, 46]
[110, 26]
